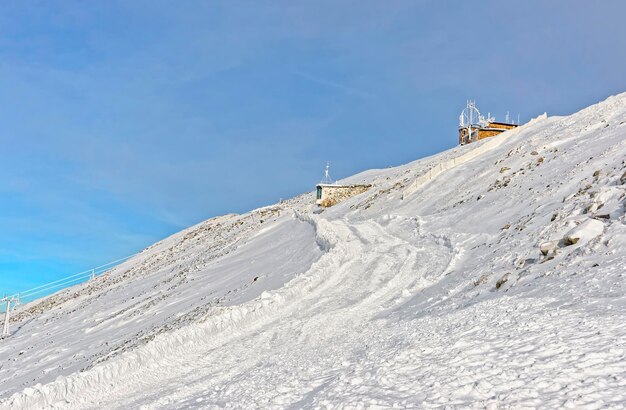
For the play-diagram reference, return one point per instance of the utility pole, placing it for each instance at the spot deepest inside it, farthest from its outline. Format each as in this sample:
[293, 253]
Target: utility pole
[5, 328]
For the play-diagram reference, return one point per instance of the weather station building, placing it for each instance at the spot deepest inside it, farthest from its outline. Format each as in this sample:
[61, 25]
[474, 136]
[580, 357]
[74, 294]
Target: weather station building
[474, 127]
[330, 193]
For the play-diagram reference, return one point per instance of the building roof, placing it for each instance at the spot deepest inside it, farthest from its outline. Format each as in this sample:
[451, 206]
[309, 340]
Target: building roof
[335, 185]
[502, 123]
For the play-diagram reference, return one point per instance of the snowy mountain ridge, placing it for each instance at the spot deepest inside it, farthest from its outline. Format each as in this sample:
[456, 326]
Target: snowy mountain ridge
[489, 275]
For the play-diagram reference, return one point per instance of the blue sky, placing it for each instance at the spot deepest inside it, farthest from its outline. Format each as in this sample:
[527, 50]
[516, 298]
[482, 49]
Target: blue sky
[124, 122]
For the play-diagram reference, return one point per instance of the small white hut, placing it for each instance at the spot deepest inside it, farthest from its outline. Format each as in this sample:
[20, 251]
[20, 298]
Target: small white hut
[330, 193]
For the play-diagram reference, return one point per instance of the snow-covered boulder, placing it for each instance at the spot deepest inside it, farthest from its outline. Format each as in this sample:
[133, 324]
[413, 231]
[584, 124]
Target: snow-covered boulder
[584, 232]
[549, 247]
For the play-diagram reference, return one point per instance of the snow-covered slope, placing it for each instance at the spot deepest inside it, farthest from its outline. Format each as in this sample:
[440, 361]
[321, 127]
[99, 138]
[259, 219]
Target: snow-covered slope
[490, 275]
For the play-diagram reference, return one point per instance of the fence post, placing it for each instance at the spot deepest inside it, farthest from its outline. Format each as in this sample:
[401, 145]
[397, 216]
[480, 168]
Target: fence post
[5, 328]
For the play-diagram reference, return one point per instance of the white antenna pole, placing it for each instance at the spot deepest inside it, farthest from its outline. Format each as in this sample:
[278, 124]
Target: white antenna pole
[5, 328]
[507, 118]
[517, 118]
[469, 107]
[467, 118]
[327, 179]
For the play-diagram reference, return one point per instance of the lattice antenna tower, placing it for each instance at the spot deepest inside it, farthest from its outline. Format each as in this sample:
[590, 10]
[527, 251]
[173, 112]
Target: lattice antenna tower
[470, 118]
[327, 179]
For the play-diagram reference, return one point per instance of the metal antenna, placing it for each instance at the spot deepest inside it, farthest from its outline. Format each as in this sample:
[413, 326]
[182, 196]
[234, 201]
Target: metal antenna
[327, 179]
[470, 117]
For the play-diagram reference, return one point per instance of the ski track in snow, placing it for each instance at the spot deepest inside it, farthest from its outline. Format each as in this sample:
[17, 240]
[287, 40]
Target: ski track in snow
[376, 265]
[428, 291]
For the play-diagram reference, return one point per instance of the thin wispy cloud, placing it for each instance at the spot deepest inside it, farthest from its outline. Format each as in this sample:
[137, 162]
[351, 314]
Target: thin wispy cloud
[335, 85]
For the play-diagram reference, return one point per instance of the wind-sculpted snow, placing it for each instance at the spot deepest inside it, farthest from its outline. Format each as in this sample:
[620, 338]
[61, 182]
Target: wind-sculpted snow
[487, 276]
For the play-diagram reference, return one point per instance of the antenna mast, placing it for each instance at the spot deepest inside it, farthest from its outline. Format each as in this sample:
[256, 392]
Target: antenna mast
[327, 179]
[470, 118]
